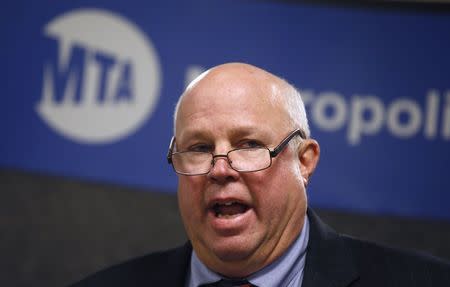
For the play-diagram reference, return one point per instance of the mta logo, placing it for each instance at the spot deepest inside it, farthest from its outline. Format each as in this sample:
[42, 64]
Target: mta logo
[69, 80]
[101, 77]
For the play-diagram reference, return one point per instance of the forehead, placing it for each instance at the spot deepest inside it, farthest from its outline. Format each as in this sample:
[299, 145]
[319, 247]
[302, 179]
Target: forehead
[230, 100]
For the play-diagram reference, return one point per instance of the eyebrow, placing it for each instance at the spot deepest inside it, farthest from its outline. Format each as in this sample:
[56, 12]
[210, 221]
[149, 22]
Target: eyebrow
[190, 133]
[244, 131]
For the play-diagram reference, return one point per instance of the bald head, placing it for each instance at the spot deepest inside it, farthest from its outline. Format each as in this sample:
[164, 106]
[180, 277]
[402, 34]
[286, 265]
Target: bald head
[238, 77]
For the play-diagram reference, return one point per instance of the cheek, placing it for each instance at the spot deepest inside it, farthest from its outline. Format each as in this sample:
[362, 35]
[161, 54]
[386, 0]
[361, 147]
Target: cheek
[190, 185]
[278, 191]
[190, 206]
[189, 197]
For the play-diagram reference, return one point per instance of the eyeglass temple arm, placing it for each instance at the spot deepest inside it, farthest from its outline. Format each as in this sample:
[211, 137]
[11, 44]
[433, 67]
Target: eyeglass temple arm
[170, 151]
[280, 147]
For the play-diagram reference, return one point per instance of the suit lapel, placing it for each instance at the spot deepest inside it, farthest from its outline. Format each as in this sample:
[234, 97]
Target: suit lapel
[176, 267]
[329, 261]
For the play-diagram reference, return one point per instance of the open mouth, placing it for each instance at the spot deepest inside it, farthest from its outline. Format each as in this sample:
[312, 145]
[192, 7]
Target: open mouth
[229, 209]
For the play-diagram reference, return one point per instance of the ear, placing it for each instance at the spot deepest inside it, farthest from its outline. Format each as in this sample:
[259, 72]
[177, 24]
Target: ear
[308, 154]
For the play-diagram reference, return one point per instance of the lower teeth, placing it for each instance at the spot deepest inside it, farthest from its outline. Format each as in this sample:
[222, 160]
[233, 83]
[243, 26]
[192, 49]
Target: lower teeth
[219, 215]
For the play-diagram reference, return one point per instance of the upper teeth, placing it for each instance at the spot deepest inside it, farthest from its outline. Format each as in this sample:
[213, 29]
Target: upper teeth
[228, 203]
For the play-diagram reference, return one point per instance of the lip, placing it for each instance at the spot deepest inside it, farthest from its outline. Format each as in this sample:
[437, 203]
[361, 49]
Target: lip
[233, 225]
[224, 200]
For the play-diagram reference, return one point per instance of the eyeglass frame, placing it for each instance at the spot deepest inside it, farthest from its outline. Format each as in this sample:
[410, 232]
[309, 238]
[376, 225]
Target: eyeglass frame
[273, 153]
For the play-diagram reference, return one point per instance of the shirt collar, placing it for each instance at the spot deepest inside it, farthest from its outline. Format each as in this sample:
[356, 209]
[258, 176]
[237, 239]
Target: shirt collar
[281, 272]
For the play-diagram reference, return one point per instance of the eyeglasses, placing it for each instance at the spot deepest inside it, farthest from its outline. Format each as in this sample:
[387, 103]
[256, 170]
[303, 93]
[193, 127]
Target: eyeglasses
[240, 159]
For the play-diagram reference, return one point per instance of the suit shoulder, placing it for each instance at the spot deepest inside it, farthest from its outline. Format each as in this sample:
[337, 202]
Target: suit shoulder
[145, 270]
[401, 264]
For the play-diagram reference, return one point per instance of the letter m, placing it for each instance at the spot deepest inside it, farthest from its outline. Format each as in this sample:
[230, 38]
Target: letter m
[64, 76]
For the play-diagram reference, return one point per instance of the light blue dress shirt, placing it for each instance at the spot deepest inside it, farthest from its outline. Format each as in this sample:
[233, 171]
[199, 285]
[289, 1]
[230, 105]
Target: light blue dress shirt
[286, 271]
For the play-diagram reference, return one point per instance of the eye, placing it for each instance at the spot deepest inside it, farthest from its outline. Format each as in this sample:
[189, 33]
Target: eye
[200, 148]
[251, 144]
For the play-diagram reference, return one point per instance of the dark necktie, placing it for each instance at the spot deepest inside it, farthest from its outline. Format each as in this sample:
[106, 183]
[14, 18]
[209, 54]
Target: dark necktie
[229, 283]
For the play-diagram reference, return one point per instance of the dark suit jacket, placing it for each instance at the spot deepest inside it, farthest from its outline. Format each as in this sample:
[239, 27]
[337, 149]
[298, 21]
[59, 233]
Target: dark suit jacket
[331, 260]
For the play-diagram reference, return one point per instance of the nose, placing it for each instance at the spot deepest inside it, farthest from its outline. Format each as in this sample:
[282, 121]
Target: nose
[221, 171]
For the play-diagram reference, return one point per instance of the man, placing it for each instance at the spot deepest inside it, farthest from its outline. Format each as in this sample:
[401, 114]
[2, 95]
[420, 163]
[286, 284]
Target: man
[244, 157]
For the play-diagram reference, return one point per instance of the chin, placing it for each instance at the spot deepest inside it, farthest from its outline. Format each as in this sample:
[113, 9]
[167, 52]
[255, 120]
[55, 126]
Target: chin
[232, 255]
[232, 250]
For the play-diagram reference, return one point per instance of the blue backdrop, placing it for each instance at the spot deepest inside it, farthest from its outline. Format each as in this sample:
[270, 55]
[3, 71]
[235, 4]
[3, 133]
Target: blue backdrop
[88, 90]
